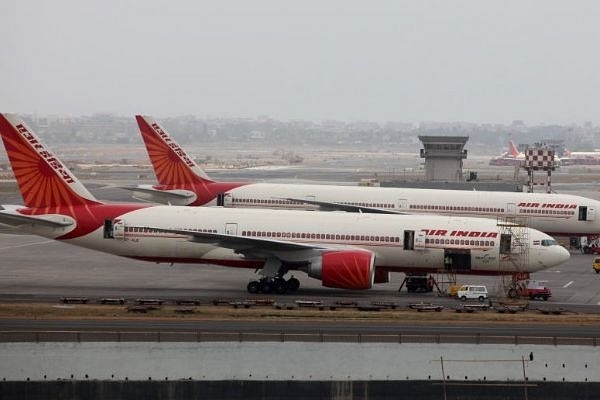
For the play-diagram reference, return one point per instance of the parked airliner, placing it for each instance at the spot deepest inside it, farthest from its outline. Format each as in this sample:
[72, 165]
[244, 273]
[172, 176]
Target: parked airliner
[343, 250]
[183, 182]
[580, 158]
[511, 157]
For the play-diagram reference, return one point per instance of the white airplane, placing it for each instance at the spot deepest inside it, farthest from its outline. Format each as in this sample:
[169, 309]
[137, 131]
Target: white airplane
[580, 157]
[343, 250]
[183, 182]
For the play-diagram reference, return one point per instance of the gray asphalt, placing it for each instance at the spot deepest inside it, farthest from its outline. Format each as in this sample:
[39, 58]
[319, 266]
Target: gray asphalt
[316, 326]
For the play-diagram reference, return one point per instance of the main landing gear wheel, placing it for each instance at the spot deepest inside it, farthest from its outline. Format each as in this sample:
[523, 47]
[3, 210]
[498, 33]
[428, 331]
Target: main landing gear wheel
[253, 287]
[266, 286]
[277, 285]
[292, 284]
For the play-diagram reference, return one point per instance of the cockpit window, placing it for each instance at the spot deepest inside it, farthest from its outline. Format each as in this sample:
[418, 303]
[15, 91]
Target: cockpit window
[549, 242]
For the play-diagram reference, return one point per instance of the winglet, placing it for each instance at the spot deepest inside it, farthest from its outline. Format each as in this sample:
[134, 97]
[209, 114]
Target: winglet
[45, 182]
[172, 165]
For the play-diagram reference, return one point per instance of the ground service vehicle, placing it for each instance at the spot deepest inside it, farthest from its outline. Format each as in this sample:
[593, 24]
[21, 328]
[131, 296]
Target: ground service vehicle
[535, 290]
[419, 283]
[471, 292]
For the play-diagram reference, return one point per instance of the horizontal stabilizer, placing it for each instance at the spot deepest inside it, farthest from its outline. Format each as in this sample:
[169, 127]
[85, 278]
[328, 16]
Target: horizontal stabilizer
[172, 196]
[11, 217]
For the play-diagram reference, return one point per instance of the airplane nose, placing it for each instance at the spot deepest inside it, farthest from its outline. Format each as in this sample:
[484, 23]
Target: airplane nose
[557, 256]
[564, 255]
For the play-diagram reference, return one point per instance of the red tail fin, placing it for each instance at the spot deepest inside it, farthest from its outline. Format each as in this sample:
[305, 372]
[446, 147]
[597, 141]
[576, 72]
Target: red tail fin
[512, 149]
[172, 165]
[44, 181]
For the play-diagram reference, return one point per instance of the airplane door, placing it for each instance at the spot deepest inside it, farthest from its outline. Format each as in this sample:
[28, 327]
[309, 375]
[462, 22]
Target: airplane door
[109, 232]
[511, 208]
[402, 204]
[414, 240]
[224, 200]
[505, 243]
[231, 228]
[420, 240]
[409, 240]
[119, 229]
[586, 213]
[591, 214]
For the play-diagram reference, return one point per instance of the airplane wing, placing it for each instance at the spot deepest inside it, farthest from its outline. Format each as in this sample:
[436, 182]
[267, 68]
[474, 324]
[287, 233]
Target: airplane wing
[11, 217]
[241, 244]
[332, 206]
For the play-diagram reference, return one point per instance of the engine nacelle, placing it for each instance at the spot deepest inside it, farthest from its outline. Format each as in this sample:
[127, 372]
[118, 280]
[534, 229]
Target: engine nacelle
[344, 269]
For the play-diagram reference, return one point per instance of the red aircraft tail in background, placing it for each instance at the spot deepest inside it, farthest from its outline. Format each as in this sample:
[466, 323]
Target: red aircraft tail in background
[173, 167]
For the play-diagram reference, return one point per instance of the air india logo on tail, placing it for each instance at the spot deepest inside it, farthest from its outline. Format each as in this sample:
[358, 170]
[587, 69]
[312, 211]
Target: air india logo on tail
[45, 154]
[46, 184]
[172, 166]
[172, 145]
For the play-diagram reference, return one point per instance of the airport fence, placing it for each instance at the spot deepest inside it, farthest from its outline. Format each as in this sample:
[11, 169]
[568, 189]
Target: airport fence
[317, 337]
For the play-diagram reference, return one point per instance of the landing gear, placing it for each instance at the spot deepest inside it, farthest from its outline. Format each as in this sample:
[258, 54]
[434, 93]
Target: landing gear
[272, 279]
[266, 286]
[293, 284]
[277, 285]
[253, 287]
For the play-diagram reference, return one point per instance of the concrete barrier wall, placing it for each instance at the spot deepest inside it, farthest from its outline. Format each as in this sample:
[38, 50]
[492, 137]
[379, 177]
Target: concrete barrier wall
[297, 361]
[274, 390]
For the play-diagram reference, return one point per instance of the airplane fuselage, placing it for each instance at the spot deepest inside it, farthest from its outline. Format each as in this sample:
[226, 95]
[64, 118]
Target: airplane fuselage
[399, 242]
[554, 214]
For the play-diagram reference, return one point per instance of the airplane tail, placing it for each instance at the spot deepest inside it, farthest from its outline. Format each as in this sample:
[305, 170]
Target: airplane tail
[512, 149]
[44, 181]
[172, 166]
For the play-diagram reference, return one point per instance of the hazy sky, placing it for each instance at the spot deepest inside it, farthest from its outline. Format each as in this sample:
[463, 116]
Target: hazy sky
[478, 61]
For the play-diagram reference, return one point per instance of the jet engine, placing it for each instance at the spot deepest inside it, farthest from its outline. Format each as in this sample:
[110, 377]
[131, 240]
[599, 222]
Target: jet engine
[344, 269]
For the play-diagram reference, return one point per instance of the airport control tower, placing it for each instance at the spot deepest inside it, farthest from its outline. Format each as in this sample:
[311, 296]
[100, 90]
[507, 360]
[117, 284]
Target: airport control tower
[444, 157]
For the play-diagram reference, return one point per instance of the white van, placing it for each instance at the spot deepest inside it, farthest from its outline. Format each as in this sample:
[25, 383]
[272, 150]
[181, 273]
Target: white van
[478, 292]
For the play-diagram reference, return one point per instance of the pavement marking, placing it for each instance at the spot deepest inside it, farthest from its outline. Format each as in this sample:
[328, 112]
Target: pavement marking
[27, 244]
[568, 284]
